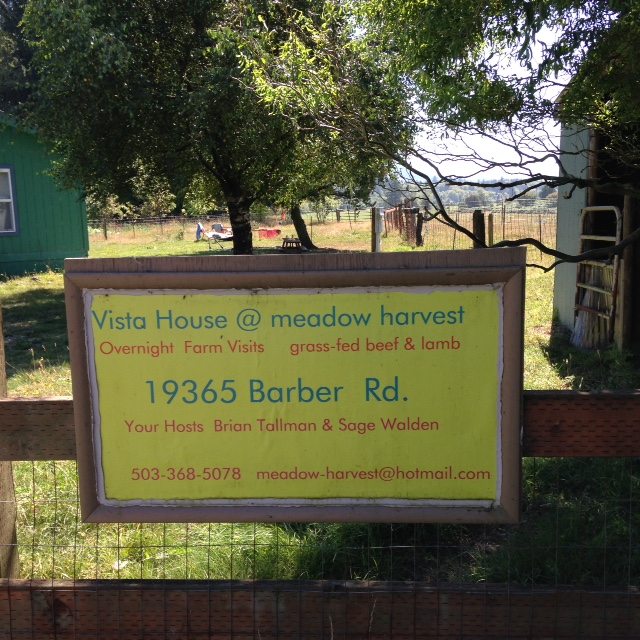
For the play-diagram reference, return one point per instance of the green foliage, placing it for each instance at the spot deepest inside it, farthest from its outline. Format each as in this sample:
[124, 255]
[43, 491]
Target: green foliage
[475, 199]
[15, 53]
[352, 114]
[156, 85]
[106, 208]
[320, 209]
[202, 197]
[164, 92]
[493, 69]
[489, 66]
[150, 197]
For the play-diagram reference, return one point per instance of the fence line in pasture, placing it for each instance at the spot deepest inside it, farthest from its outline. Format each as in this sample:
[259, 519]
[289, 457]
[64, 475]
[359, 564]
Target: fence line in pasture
[570, 569]
[506, 221]
[509, 221]
[162, 226]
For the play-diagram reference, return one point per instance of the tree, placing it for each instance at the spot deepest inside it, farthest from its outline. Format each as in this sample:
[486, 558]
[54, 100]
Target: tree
[328, 167]
[494, 70]
[168, 86]
[330, 156]
[157, 83]
[503, 71]
[15, 53]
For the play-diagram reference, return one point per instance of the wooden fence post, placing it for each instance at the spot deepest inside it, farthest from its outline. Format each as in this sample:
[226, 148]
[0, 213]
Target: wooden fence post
[419, 227]
[373, 229]
[9, 566]
[478, 230]
[376, 230]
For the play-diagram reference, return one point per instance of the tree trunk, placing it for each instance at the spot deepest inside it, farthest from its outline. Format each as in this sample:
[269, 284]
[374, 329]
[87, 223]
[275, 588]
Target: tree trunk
[240, 220]
[301, 227]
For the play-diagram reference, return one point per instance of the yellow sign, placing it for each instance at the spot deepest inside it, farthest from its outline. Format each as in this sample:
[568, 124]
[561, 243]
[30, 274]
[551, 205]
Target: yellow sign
[387, 394]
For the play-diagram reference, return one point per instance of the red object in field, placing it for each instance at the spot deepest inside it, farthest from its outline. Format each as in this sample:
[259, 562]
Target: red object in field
[268, 233]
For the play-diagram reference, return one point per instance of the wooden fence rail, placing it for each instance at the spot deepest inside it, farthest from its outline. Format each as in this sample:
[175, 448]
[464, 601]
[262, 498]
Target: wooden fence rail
[308, 610]
[561, 424]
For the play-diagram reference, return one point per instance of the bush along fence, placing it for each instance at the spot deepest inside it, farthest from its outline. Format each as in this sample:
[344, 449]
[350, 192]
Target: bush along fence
[340, 581]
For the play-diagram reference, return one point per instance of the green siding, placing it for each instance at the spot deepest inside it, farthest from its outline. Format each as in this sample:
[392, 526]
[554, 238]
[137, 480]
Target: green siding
[575, 144]
[52, 223]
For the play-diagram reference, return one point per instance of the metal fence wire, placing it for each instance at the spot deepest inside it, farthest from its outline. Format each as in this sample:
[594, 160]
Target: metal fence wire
[506, 221]
[528, 218]
[580, 527]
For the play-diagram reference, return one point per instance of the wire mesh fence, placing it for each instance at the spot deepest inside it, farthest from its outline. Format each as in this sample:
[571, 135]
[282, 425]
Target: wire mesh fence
[505, 221]
[569, 569]
[580, 527]
[166, 227]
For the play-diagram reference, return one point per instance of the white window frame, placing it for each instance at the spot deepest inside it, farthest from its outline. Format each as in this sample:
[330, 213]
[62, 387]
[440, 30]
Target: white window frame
[11, 200]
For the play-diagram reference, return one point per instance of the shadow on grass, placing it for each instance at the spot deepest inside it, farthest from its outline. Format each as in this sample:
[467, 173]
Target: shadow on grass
[35, 329]
[579, 521]
[579, 526]
[591, 370]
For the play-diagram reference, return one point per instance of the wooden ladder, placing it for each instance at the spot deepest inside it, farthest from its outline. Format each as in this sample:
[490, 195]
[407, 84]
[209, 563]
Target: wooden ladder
[596, 283]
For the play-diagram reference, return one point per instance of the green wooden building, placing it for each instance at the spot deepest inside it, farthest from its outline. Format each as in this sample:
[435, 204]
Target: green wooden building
[40, 224]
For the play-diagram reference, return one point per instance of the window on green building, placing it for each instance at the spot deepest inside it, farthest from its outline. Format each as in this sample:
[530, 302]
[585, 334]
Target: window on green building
[7, 203]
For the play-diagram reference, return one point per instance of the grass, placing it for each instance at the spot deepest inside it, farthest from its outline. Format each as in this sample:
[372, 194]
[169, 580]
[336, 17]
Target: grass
[579, 525]
[35, 332]
[173, 240]
[62, 547]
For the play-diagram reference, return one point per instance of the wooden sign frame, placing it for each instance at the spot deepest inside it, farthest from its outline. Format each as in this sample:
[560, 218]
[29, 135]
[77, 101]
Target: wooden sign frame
[504, 268]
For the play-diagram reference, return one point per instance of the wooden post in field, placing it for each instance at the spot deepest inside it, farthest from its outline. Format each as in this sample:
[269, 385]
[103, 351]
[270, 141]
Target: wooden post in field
[490, 230]
[419, 226]
[376, 230]
[8, 537]
[373, 229]
[478, 230]
[3, 367]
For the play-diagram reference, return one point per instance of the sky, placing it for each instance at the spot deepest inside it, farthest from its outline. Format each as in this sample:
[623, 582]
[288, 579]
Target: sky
[493, 150]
